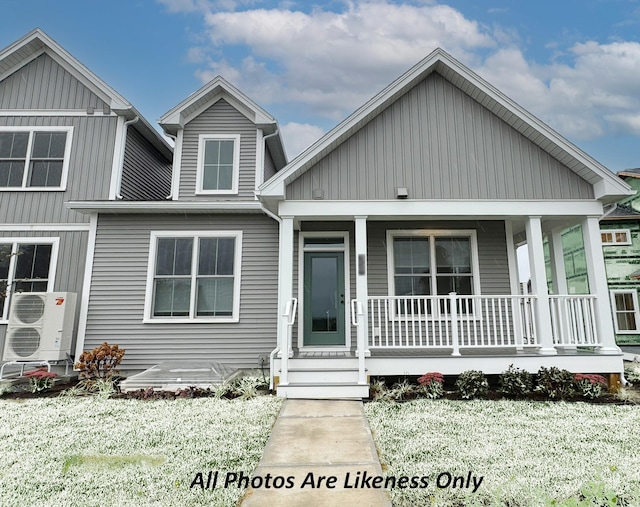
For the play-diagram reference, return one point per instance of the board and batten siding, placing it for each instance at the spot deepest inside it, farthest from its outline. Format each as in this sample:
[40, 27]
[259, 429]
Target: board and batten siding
[220, 118]
[44, 84]
[118, 287]
[146, 173]
[440, 144]
[69, 271]
[89, 174]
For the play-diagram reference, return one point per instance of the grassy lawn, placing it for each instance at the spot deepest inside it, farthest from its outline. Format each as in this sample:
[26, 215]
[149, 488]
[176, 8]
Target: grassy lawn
[528, 452]
[92, 451]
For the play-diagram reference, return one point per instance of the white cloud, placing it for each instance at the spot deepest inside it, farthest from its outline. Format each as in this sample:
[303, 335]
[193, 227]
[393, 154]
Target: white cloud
[327, 63]
[299, 136]
[333, 61]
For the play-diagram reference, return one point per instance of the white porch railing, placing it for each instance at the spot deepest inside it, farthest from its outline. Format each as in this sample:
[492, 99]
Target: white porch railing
[452, 321]
[289, 315]
[573, 320]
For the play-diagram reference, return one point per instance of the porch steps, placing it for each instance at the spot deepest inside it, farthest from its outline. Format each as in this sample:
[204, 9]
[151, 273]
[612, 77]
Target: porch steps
[323, 378]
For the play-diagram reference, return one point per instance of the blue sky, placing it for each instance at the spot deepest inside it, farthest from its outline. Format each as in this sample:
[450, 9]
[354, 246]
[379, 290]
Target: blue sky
[574, 64]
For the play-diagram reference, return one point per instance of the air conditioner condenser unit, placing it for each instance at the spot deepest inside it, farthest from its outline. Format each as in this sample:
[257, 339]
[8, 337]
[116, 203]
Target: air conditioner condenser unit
[40, 326]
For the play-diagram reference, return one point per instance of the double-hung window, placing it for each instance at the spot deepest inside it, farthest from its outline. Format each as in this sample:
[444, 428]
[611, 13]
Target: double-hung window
[34, 158]
[626, 315]
[26, 265]
[218, 163]
[429, 263]
[194, 277]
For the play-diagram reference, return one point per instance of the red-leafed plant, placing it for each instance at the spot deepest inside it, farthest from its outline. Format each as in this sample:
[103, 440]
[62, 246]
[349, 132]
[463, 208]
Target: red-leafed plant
[40, 379]
[431, 385]
[591, 385]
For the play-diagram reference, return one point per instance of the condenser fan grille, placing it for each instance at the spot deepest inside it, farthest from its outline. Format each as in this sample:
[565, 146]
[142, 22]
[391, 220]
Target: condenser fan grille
[24, 342]
[28, 309]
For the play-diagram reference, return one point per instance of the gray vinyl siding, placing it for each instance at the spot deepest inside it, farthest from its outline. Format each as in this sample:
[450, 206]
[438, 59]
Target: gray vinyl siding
[89, 171]
[441, 144]
[72, 251]
[43, 84]
[118, 287]
[146, 174]
[269, 166]
[220, 118]
[492, 253]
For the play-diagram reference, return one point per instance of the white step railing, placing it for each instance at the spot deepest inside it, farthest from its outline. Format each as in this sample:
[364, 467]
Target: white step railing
[451, 321]
[289, 316]
[573, 320]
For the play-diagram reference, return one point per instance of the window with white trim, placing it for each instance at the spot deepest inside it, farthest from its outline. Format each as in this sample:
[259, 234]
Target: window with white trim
[218, 163]
[194, 276]
[626, 316]
[24, 267]
[615, 236]
[34, 157]
[425, 263]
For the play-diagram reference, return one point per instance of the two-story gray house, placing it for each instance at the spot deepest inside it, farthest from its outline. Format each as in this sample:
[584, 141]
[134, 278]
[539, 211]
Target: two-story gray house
[65, 135]
[385, 248]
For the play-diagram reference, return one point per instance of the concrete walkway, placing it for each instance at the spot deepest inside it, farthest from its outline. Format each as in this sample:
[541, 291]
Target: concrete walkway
[313, 439]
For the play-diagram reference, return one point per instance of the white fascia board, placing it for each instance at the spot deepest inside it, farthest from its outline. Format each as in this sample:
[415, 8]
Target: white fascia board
[164, 206]
[467, 209]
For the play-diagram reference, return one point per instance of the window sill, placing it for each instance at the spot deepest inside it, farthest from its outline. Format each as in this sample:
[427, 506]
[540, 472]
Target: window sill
[221, 320]
[32, 189]
[216, 192]
[636, 331]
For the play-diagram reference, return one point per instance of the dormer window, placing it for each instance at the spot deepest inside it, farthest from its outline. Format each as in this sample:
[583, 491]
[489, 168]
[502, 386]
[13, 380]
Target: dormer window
[34, 158]
[218, 163]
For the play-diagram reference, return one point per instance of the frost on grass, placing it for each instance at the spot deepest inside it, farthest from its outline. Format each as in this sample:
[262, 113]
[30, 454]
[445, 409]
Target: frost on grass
[90, 451]
[527, 452]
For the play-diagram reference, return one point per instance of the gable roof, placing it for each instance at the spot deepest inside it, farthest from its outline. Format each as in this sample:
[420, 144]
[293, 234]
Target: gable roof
[606, 185]
[216, 89]
[35, 43]
[631, 173]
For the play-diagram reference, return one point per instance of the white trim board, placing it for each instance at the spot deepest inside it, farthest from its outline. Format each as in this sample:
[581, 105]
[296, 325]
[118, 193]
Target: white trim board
[44, 227]
[86, 285]
[419, 209]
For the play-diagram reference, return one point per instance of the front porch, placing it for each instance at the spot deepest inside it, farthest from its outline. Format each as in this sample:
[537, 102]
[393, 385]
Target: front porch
[394, 319]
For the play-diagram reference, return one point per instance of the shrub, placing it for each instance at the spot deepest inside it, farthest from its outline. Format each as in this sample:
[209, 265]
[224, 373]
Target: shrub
[591, 386]
[402, 390]
[431, 385]
[555, 383]
[248, 387]
[472, 384]
[40, 379]
[632, 374]
[100, 363]
[515, 383]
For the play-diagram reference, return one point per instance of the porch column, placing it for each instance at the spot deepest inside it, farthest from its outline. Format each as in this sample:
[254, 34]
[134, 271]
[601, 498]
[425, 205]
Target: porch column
[514, 281]
[559, 276]
[557, 262]
[362, 293]
[539, 285]
[598, 285]
[285, 291]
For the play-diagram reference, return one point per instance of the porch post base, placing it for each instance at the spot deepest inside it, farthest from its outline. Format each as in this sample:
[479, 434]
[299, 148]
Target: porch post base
[547, 351]
[608, 351]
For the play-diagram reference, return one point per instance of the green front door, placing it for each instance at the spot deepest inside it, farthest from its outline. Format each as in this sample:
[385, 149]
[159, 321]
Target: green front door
[324, 298]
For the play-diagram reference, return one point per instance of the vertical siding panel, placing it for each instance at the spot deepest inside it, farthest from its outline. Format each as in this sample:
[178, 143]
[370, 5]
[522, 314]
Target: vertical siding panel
[490, 161]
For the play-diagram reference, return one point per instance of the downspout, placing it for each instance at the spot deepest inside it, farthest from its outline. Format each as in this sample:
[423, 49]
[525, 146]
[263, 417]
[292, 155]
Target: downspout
[277, 219]
[273, 353]
[124, 142]
[175, 138]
